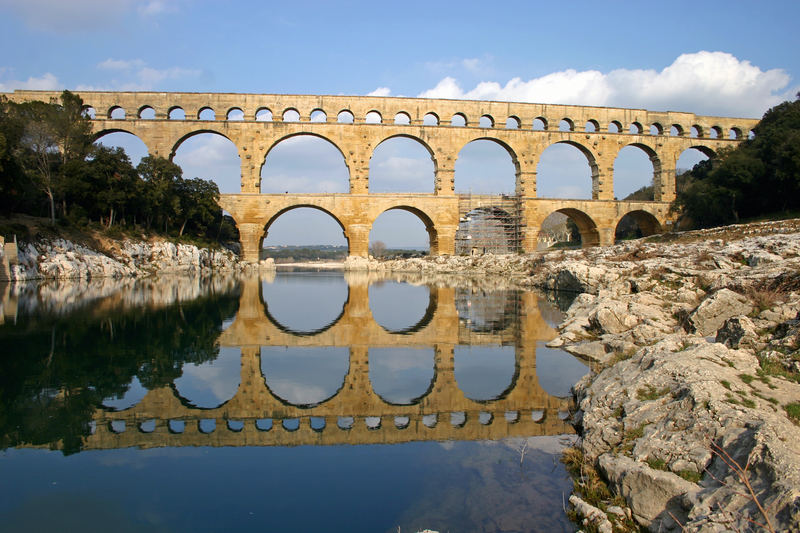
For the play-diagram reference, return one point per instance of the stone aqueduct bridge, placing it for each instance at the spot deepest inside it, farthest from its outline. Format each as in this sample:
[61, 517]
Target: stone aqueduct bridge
[356, 414]
[430, 122]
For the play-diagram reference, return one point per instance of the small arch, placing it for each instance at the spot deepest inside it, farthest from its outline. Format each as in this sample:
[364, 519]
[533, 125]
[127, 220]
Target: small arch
[512, 417]
[206, 113]
[373, 117]
[696, 131]
[539, 124]
[291, 115]
[459, 120]
[317, 423]
[592, 126]
[734, 133]
[176, 113]
[614, 126]
[458, 419]
[290, 424]
[345, 422]
[656, 129]
[116, 113]
[401, 422]
[263, 115]
[636, 224]
[89, 112]
[419, 306]
[117, 426]
[372, 422]
[676, 130]
[235, 426]
[206, 425]
[635, 128]
[566, 124]
[264, 424]
[485, 418]
[345, 117]
[486, 121]
[402, 118]
[513, 123]
[430, 421]
[318, 115]
[147, 113]
[715, 132]
[537, 415]
[751, 135]
[430, 119]
[234, 114]
[176, 426]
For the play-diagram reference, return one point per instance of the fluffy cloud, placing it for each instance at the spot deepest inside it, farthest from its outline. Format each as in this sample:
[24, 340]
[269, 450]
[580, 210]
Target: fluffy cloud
[47, 82]
[714, 83]
[380, 91]
[136, 75]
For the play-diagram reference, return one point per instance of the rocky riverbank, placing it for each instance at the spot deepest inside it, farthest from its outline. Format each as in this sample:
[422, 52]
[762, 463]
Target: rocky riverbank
[59, 258]
[691, 414]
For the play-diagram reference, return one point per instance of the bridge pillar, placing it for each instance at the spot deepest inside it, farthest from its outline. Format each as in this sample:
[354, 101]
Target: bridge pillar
[251, 171]
[445, 182]
[664, 183]
[250, 236]
[605, 235]
[526, 184]
[445, 241]
[358, 238]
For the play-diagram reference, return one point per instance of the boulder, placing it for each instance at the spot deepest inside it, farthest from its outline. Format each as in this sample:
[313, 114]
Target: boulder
[715, 310]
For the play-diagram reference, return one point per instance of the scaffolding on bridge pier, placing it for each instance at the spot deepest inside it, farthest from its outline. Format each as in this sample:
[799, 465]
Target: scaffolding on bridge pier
[489, 223]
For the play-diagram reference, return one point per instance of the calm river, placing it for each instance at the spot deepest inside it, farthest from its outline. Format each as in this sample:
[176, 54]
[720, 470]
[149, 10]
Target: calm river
[296, 401]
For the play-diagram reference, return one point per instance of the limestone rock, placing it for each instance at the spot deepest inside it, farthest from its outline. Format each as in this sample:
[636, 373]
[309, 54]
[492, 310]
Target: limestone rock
[592, 514]
[715, 310]
[737, 330]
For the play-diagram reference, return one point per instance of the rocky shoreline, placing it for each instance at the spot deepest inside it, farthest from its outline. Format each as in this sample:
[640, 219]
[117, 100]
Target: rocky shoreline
[691, 414]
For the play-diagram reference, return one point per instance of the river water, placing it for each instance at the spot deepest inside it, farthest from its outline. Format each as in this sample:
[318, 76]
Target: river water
[296, 401]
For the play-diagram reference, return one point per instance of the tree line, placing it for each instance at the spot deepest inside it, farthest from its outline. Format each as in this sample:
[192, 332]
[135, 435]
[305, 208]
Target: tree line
[760, 177]
[49, 166]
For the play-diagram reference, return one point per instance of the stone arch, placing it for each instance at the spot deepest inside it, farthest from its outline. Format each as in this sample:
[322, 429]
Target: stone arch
[676, 130]
[505, 146]
[591, 126]
[735, 133]
[635, 128]
[290, 114]
[116, 112]
[345, 116]
[430, 119]
[284, 378]
[615, 126]
[193, 391]
[594, 169]
[146, 112]
[297, 332]
[408, 328]
[539, 124]
[174, 111]
[566, 124]
[472, 377]
[654, 161]
[234, 114]
[696, 131]
[417, 141]
[402, 118]
[373, 116]
[97, 137]
[298, 135]
[227, 173]
[459, 120]
[89, 112]
[590, 235]
[318, 115]
[407, 389]
[486, 121]
[513, 122]
[206, 113]
[263, 114]
[656, 129]
[430, 227]
[647, 223]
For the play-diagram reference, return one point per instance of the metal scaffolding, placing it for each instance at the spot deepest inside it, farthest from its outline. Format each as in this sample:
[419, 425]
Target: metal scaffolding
[489, 223]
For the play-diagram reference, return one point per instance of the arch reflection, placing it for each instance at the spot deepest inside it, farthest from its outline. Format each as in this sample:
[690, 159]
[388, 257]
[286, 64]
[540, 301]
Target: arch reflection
[304, 376]
[304, 305]
[401, 376]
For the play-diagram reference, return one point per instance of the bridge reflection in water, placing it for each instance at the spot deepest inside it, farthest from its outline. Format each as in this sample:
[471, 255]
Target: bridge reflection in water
[455, 319]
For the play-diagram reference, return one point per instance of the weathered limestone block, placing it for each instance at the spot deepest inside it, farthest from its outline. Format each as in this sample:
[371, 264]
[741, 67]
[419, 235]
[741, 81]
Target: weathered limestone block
[715, 310]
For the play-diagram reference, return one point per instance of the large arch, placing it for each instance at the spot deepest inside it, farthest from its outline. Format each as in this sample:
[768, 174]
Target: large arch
[567, 169]
[402, 375]
[419, 304]
[304, 163]
[304, 376]
[133, 145]
[313, 231]
[210, 155]
[398, 164]
[304, 306]
[636, 168]
[477, 165]
[430, 227]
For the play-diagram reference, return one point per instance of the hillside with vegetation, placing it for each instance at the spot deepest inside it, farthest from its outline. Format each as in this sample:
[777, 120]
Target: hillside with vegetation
[50, 167]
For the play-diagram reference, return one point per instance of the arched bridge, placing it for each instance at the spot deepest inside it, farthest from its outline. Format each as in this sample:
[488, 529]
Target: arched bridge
[356, 125]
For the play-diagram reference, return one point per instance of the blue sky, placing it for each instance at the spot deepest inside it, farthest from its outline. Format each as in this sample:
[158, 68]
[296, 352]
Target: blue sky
[732, 58]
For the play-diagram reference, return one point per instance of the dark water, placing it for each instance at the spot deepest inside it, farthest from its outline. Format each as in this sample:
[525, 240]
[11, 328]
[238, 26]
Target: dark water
[295, 402]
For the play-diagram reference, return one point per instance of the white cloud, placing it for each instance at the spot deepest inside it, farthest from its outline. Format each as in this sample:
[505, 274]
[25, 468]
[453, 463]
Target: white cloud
[120, 64]
[136, 75]
[702, 82]
[155, 8]
[46, 82]
[380, 91]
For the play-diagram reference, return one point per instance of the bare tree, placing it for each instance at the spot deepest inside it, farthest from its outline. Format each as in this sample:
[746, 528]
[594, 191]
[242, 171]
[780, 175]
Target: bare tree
[378, 249]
